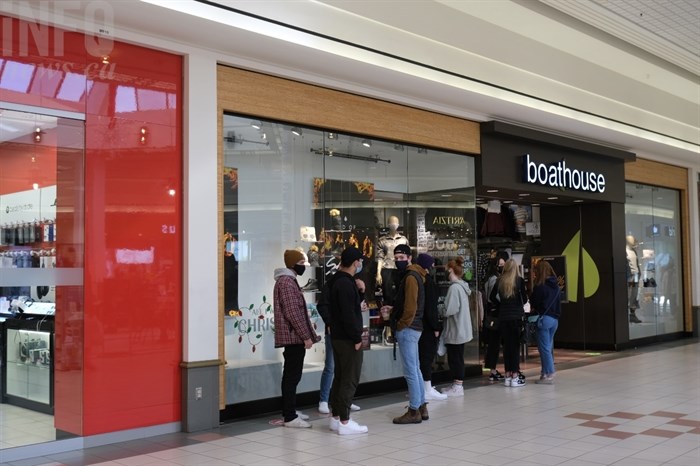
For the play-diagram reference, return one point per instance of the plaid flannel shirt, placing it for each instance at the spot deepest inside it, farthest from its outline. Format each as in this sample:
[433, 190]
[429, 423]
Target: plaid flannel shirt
[292, 324]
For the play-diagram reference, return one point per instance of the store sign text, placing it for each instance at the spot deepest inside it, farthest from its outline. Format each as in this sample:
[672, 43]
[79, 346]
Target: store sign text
[447, 220]
[560, 176]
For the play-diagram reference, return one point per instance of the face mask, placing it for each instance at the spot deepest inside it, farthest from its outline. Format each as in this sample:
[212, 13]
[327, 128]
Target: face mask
[393, 226]
[401, 265]
[359, 268]
[500, 269]
[299, 269]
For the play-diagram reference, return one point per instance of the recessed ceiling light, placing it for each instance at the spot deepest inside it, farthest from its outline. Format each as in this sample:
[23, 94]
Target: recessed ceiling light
[523, 194]
[256, 124]
[492, 190]
[367, 143]
[507, 202]
[445, 195]
[552, 198]
[296, 131]
[535, 205]
[578, 200]
[332, 136]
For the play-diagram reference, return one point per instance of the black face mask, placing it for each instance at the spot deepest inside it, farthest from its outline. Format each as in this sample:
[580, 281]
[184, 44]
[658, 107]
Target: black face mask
[500, 269]
[299, 269]
[401, 265]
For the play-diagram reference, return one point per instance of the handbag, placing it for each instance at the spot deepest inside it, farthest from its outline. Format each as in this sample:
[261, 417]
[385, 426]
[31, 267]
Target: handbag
[491, 322]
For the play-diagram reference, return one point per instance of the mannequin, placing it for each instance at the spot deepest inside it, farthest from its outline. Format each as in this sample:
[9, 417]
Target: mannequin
[386, 268]
[633, 272]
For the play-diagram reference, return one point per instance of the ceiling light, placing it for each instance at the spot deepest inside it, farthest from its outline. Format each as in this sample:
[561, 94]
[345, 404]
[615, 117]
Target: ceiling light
[578, 200]
[264, 136]
[552, 198]
[535, 205]
[256, 124]
[296, 131]
[523, 194]
[332, 135]
[445, 195]
[507, 202]
[367, 143]
[492, 190]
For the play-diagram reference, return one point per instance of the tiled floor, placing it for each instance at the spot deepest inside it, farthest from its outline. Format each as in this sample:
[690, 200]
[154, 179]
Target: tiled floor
[19, 426]
[636, 408]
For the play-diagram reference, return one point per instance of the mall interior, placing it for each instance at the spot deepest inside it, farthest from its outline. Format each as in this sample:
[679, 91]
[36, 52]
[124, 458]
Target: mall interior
[152, 174]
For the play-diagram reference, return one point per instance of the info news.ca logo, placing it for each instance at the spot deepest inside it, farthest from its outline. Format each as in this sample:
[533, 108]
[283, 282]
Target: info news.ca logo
[94, 19]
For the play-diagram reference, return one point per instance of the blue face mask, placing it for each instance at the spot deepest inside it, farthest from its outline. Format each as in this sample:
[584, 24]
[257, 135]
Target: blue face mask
[401, 265]
[359, 268]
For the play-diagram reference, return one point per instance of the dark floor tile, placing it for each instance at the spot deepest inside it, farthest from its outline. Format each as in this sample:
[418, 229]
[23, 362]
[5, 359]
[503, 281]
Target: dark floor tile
[661, 433]
[599, 424]
[624, 415]
[615, 434]
[586, 416]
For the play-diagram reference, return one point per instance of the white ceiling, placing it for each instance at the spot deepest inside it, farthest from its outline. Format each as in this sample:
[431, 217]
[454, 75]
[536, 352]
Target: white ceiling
[542, 64]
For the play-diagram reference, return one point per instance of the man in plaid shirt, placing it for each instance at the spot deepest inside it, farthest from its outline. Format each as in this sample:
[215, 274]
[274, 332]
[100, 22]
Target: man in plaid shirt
[293, 332]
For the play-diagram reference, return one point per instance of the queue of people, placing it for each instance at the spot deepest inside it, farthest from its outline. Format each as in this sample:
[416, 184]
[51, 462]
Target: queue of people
[418, 328]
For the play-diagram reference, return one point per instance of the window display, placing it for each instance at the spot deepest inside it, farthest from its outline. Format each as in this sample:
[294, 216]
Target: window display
[322, 192]
[653, 252]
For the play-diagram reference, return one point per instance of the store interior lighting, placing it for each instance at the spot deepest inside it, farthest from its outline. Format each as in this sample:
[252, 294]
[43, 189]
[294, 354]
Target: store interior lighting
[296, 131]
[367, 143]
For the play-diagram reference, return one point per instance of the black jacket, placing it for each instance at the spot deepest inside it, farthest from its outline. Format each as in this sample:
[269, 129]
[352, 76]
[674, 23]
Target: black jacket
[510, 308]
[344, 306]
[431, 320]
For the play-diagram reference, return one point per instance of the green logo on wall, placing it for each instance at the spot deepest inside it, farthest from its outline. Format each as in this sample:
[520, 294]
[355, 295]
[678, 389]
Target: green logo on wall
[575, 253]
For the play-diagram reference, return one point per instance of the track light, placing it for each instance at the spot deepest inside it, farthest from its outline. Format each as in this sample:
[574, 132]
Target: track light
[256, 124]
[296, 131]
[367, 143]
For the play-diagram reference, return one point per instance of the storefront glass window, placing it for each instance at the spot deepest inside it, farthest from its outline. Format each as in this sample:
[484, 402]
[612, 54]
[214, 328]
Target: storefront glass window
[288, 187]
[654, 260]
[41, 271]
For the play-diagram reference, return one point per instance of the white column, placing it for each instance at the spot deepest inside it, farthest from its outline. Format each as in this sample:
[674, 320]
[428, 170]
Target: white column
[200, 216]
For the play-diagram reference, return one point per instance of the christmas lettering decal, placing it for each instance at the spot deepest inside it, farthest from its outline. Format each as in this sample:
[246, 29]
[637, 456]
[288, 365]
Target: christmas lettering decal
[558, 175]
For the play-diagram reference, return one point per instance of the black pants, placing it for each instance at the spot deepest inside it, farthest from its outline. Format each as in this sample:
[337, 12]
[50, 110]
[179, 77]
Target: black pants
[291, 375]
[493, 347]
[455, 359]
[510, 330]
[427, 347]
[348, 365]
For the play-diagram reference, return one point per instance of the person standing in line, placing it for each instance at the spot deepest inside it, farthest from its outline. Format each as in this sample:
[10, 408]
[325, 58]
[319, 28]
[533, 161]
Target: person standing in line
[492, 336]
[546, 302]
[410, 304]
[293, 332]
[427, 345]
[346, 338]
[458, 324]
[510, 295]
[329, 364]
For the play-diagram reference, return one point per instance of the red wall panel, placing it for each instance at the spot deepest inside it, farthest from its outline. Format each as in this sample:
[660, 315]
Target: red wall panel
[125, 373]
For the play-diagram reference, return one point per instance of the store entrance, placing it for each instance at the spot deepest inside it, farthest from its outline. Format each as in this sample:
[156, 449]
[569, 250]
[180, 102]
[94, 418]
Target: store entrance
[576, 237]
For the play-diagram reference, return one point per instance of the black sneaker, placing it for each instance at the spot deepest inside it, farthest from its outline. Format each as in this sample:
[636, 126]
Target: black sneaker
[311, 285]
[521, 376]
[496, 377]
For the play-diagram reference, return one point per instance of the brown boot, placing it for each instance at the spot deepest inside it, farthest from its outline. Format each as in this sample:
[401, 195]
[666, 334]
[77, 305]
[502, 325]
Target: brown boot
[423, 410]
[412, 416]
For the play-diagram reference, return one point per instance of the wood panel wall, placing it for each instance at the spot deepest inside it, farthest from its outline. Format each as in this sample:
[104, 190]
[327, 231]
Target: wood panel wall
[268, 97]
[673, 177]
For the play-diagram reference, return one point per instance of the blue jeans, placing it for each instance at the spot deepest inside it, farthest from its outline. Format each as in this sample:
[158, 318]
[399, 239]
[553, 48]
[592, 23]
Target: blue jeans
[327, 374]
[407, 340]
[545, 343]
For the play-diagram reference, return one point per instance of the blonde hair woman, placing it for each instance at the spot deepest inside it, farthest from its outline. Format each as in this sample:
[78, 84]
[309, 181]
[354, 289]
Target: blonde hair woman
[509, 296]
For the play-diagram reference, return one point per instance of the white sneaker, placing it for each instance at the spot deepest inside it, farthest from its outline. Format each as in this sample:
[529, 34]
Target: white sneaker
[507, 381]
[323, 407]
[333, 424]
[354, 407]
[350, 428]
[517, 382]
[454, 390]
[302, 416]
[297, 422]
[433, 395]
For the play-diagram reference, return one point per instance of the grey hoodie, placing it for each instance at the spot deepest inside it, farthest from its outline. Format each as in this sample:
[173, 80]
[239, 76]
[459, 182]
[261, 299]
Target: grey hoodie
[458, 319]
